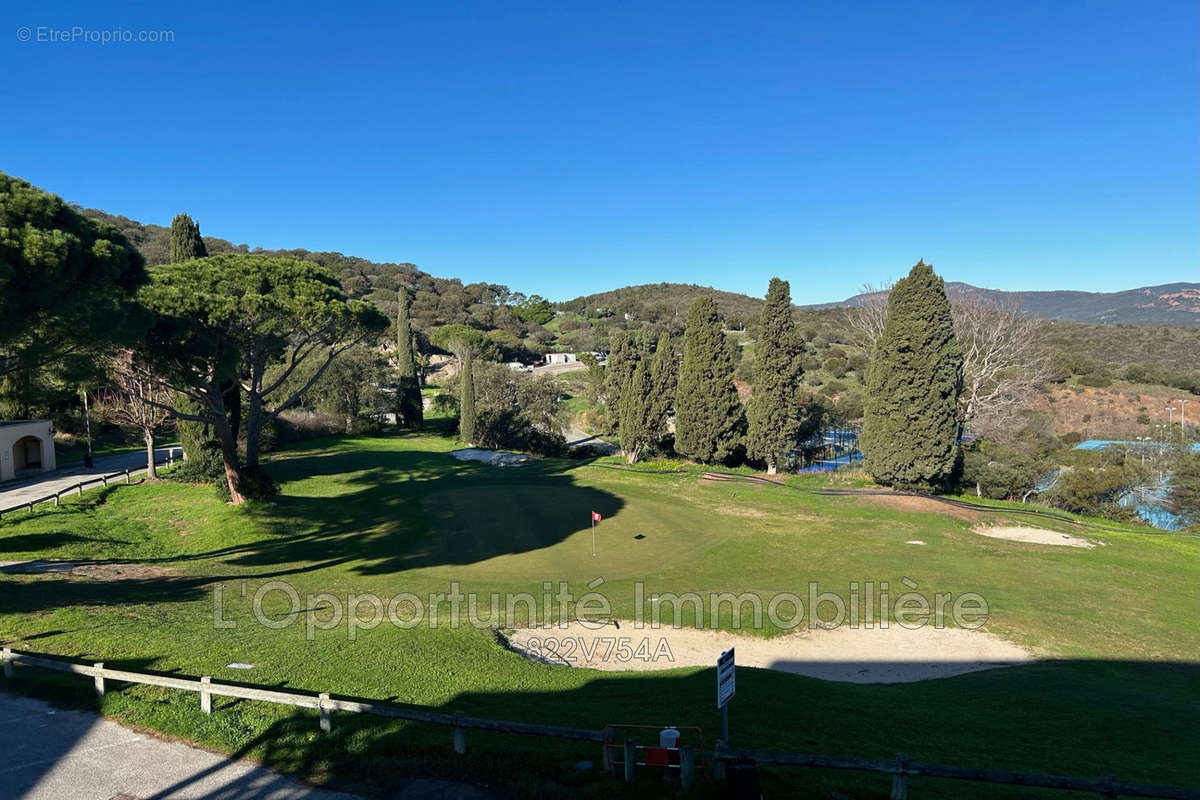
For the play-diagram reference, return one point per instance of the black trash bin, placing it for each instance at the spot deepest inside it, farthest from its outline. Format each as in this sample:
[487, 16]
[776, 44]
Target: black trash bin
[743, 780]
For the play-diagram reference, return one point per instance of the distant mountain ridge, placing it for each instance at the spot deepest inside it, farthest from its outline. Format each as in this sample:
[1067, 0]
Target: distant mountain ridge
[1171, 304]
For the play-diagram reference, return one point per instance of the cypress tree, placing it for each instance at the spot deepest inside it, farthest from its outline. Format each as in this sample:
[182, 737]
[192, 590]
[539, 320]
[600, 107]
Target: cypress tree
[645, 400]
[623, 357]
[635, 430]
[201, 449]
[664, 378]
[909, 427]
[708, 415]
[776, 413]
[408, 388]
[466, 397]
[186, 243]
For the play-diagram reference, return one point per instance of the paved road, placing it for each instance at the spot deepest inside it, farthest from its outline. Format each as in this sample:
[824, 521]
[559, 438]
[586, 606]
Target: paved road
[558, 369]
[53, 754]
[14, 493]
[577, 438]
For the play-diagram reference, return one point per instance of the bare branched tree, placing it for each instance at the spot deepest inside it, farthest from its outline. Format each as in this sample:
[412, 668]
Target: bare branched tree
[1003, 364]
[867, 319]
[135, 397]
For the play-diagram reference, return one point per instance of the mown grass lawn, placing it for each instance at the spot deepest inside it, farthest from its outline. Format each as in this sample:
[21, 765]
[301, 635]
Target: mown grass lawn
[1116, 691]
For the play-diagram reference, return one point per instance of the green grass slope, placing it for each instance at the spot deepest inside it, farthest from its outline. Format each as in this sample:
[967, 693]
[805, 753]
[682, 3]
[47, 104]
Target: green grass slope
[1116, 690]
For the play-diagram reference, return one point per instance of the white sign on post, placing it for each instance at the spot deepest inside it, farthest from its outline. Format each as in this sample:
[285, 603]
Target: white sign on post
[726, 681]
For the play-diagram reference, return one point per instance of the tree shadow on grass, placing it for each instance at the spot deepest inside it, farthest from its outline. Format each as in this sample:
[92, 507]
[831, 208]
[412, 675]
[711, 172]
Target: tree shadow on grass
[1065, 717]
[419, 509]
[402, 510]
[30, 595]
[51, 540]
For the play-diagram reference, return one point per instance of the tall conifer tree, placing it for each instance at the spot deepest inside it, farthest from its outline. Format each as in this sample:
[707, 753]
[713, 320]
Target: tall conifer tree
[664, 379]
[646, 399]
[408, 388]
[910, 429]
[709, 418]
[466, 397]
[635, 431]
[777, 413]
[200, 446]
[623, 357]
[186, 242]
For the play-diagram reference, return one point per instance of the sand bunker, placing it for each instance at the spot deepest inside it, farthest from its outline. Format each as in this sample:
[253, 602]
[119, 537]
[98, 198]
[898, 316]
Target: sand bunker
[1033, 536]
[99, 572]
[876, 655]
[493, 457]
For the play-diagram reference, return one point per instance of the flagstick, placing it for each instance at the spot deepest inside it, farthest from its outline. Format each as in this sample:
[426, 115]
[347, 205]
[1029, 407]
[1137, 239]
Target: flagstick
[593, 536]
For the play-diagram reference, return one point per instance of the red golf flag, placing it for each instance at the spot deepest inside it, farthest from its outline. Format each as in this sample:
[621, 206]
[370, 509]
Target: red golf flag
[596, 516]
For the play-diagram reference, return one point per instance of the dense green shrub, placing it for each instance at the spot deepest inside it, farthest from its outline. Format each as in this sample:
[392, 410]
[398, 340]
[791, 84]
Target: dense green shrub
[999, 472]
[514, 410]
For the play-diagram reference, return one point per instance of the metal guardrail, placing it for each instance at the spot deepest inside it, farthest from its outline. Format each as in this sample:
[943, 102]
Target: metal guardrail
[77, 488]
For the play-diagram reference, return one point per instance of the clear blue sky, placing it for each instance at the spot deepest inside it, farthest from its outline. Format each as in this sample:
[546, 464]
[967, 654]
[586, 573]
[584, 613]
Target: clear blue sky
[566, 148]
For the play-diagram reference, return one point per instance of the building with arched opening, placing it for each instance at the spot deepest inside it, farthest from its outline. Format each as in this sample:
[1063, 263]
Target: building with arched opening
[26, 448]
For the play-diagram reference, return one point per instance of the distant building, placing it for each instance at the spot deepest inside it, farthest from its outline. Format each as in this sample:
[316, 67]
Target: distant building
[26, 448]
[560, 358]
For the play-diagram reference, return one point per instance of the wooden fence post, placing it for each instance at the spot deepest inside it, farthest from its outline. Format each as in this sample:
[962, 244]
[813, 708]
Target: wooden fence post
[900, 779]
[205, 695]
[7, 656]
[460, 735]
[630, 760]
[687, 768]
[79, 488]
[128, 479]
[99, 678]
[56, 496]
[606, 756]
[105, 479]
[326, 723]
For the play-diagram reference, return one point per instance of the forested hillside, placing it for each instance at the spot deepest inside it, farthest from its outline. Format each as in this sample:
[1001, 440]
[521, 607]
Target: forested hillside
[435, 301]
[525, 326]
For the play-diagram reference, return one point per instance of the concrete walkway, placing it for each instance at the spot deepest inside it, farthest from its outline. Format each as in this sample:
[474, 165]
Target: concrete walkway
[51, 754]
[15, 493]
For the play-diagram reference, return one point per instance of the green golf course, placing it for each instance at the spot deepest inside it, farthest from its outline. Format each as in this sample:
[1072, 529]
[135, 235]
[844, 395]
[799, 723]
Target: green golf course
[1115, 687]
